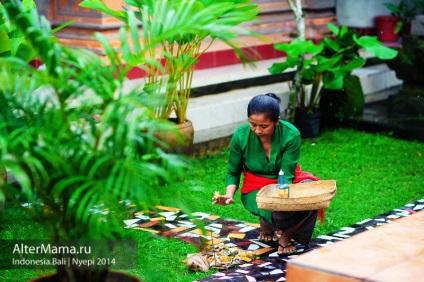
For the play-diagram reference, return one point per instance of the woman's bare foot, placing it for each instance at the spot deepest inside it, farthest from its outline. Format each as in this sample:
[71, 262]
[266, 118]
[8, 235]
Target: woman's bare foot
[268, 233]
[285, 246]
[268, 237]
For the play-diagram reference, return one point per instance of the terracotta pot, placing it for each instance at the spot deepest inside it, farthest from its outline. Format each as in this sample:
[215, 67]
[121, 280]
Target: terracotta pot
[112, 276]
[180, 141]
[386, 26]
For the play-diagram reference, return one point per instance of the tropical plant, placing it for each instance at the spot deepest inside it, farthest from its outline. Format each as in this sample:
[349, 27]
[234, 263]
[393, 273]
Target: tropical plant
[325, 65]
[12, 41]
[79, 143]
[169, 78]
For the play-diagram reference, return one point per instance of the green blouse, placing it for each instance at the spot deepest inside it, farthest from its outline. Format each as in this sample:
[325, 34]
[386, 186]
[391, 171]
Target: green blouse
[246, 152]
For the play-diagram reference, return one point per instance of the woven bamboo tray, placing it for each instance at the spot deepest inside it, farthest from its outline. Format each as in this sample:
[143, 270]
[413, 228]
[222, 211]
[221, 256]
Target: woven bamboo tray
[314, 195]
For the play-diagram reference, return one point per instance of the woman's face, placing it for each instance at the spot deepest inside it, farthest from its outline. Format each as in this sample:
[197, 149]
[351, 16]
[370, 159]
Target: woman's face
[261, 125]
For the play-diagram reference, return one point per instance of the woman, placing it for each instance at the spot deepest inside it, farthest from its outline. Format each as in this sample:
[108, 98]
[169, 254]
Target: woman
[259, 150]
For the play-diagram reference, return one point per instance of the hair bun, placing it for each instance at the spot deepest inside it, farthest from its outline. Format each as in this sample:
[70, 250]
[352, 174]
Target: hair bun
[272, 95]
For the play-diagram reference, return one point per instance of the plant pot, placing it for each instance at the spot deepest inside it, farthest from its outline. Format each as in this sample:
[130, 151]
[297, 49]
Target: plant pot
[386, 26]
[338, 106]
[405, 105]
[409, 63]
[112, 276]
[179, 141]
[307, 124]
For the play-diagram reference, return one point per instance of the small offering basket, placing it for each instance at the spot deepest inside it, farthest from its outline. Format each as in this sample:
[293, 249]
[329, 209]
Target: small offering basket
[313, 195]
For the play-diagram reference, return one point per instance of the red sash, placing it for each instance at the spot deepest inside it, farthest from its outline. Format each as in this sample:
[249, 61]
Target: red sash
[253, 182]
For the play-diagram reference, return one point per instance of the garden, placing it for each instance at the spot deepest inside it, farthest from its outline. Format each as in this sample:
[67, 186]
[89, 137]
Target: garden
[375, 173]
[88, 152]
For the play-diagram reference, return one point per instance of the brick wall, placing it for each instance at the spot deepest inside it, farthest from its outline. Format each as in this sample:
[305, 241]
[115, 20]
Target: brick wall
[276, 22]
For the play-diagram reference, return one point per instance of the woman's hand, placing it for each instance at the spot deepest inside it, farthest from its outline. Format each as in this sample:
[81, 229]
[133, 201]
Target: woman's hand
[222, 200]
[227, 199]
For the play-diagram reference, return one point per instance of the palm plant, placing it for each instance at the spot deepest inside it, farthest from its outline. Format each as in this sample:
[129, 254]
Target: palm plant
[67, 161]
[13, 43]
[174, 55]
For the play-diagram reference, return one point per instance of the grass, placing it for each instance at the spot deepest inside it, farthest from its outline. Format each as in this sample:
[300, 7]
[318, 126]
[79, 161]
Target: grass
[374, 173]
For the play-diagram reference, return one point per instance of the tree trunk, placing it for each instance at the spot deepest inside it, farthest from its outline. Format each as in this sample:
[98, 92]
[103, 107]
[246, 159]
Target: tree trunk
[297, 81]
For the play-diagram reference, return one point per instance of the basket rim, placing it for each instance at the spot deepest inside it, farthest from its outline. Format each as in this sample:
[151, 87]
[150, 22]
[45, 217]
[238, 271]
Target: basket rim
[313, 202]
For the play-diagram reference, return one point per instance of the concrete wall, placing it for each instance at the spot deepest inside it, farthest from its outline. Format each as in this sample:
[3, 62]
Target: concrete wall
[361, 13]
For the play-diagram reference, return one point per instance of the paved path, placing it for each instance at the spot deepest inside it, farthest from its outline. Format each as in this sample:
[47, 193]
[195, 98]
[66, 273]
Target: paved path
[172, 222]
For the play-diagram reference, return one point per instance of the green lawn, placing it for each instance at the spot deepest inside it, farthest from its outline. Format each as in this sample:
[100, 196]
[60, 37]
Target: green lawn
[374, 173]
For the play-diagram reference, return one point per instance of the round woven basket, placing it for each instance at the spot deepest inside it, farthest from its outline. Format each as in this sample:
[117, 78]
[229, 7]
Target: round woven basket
[314, 195]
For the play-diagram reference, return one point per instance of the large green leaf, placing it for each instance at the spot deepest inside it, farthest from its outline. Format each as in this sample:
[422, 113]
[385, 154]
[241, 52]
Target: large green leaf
[282, 47]
[25, 52]
[354, 64]
[311, 48]
[297, 47]
[325, 63]
[308, 75]
[5, 46]
[139, 3]
[100, 6]
[278, 68]
[331, 44]
[333, 28]
[333, 81]
[372, 45]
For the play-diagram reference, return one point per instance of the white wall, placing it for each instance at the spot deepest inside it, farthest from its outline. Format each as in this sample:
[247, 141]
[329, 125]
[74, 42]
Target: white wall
[361, 13]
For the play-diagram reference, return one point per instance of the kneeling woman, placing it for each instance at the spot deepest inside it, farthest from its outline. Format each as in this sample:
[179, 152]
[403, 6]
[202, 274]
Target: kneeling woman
[259, 150]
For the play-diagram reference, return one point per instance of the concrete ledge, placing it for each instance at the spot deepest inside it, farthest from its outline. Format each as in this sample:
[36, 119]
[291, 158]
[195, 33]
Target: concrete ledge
[378, 82]
[216, 116]
[393, 252]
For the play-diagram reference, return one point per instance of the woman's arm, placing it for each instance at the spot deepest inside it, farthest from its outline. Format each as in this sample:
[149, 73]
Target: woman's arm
[235, 161]
[234, 170]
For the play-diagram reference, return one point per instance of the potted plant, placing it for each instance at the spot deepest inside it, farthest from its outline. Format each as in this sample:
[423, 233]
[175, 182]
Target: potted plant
[409, 67]
[169, 80]
[328, 66]
[400, 19]
[77, 171]
[409, 61]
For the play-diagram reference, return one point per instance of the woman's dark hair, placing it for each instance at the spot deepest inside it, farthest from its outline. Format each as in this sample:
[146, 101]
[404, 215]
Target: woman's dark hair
[265, 104]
